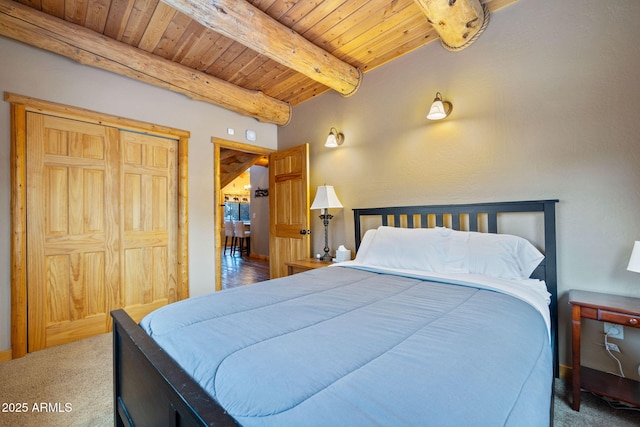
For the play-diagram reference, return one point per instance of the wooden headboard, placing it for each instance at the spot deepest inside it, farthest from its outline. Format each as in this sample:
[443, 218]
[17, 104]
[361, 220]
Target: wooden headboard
[477, 217]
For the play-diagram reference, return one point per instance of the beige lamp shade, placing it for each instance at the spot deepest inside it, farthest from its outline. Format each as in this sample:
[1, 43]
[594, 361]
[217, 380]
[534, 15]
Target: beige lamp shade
[326, 198]
[634, 261]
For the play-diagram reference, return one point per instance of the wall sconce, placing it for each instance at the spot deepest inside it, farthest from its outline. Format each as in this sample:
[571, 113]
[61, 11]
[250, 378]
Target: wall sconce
[334, 139]
[439, 109]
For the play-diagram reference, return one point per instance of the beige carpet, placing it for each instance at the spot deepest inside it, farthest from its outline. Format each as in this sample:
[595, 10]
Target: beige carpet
[71, 385]
[68, 385]
[594, 411]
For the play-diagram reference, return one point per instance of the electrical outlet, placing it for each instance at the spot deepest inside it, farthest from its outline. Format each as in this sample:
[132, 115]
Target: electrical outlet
[613, 347]
[614, 331]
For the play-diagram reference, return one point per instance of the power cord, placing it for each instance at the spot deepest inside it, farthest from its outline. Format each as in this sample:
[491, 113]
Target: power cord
[606, 346]
[614, 404]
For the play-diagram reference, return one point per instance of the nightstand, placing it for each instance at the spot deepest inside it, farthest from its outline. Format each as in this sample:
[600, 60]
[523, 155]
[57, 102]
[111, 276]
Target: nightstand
[306, 264]
[606, 308]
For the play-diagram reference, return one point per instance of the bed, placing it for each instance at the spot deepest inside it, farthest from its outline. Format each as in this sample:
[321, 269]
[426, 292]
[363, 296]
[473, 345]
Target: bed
[428, 325]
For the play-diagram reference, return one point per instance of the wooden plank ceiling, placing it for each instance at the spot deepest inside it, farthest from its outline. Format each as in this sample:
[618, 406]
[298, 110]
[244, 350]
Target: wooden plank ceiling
[234, 162]
[256, 57]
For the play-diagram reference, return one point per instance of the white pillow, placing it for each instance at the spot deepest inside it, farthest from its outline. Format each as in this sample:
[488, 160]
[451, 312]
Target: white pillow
[443, 250]
[365, 243]
[423, 249]
[502, 255]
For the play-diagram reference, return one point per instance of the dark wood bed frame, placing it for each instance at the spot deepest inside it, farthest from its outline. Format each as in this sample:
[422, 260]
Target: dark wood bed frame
[150, 389]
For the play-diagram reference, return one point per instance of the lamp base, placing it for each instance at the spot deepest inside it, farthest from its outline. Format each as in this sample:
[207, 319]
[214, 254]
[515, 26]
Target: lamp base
[325, 217]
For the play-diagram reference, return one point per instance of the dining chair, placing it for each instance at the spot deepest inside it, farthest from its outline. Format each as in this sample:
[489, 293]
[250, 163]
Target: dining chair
[241, 236]
[228, 234]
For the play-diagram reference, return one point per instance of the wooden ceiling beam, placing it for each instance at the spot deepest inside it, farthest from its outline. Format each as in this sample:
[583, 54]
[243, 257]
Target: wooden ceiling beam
[38, 29]
[241, 21]
[458, 22]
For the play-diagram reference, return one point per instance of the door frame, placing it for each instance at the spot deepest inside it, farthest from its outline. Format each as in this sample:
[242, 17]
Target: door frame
[20, 106]
[218, 214]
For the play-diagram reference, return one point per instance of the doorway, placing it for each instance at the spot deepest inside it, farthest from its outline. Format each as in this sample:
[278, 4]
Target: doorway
[246, 208]
[232, 159]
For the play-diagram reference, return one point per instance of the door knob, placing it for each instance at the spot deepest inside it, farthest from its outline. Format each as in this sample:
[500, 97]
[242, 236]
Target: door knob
[303, 232]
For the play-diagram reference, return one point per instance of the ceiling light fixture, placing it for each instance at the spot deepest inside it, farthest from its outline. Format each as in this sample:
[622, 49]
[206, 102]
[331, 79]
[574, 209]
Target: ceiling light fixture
[334, 139]
[439, 109]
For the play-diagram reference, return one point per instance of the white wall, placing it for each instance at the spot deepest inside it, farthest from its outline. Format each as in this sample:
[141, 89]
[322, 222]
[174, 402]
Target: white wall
[546, 104]
[32, 72]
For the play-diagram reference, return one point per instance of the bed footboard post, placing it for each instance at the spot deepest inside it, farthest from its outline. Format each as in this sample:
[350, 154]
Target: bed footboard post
[120, 416]
[117, 422]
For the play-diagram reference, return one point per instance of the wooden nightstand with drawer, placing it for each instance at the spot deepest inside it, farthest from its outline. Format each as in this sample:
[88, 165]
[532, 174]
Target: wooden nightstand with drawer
[606, 308]
[306, 264]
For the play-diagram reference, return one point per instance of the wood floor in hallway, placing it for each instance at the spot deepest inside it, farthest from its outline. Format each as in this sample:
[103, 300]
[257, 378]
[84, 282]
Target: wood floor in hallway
[242, 270]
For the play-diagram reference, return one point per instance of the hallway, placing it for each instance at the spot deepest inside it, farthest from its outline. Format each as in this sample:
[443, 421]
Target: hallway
[238, 271]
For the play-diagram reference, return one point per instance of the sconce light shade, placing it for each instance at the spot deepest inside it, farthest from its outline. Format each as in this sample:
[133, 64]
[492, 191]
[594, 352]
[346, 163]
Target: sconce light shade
[634, 261]
[439, 109]
[334, 138]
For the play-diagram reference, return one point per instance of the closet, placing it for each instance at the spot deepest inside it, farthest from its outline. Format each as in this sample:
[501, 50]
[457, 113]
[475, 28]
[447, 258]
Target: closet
[104, 224]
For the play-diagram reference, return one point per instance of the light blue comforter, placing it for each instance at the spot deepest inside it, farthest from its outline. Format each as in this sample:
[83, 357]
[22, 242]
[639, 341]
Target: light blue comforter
[346, 347]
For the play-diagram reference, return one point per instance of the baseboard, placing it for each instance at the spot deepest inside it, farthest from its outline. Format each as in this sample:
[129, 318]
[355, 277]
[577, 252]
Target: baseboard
[256, 256]
[564, 372]
[5, 355]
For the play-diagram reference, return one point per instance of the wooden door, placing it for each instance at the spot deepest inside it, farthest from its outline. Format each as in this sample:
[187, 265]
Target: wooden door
[149, 225]
[101, 226]
[72, 232]
[289, 208]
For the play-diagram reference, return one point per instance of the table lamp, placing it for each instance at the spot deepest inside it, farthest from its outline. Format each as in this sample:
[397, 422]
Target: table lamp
[634, 261]
[326, 199]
